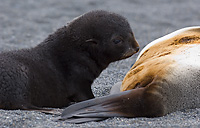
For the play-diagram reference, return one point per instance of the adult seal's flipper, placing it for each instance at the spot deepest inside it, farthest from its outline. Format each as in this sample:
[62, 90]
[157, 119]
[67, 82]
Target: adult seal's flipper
[124, 104]
[94, 109]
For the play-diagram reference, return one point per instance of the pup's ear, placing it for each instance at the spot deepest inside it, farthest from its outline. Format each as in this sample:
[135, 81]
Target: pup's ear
[94, 41]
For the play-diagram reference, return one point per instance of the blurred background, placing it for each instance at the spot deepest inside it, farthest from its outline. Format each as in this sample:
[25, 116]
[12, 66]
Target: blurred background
[26, 23]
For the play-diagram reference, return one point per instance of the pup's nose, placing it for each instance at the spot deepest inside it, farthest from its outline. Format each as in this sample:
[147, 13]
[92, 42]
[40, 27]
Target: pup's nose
[137, 49]
[135, 44]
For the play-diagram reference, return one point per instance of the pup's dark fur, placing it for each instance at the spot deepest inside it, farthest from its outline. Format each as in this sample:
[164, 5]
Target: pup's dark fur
[62, 68]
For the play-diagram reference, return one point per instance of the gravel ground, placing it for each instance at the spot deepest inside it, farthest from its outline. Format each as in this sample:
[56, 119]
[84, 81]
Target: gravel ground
[25, 23]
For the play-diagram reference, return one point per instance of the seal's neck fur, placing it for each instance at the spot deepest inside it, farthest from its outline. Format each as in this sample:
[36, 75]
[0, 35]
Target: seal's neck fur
[71, 56]
[66, 47]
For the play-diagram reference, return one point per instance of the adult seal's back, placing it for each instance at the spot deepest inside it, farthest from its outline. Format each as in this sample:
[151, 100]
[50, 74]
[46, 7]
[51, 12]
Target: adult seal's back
[164, 79]
[62, 68]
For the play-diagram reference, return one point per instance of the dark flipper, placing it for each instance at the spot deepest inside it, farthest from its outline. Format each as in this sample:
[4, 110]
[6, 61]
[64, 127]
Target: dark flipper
[48, 111]
[40, 109]
[124, 104]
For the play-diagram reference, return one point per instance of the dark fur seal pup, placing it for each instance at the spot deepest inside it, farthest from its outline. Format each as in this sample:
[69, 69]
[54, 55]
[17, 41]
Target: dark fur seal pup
[164, 79]
[61, 69]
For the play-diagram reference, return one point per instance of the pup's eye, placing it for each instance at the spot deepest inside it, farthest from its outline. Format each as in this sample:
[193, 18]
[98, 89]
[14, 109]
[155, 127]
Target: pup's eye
[117, 41]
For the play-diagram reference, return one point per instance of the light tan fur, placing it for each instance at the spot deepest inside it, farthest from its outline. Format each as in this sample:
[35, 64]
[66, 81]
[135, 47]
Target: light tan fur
[157, 60]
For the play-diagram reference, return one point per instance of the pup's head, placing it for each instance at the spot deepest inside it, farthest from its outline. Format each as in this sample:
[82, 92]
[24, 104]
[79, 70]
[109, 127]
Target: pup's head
[106, 36]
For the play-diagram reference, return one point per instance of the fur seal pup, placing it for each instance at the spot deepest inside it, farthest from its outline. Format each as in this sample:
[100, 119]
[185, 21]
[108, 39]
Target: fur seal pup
[62, 68]
[164, 79]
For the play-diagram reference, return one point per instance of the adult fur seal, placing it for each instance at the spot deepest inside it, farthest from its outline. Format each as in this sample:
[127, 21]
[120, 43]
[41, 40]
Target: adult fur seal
[62, 68]
[164, 79]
